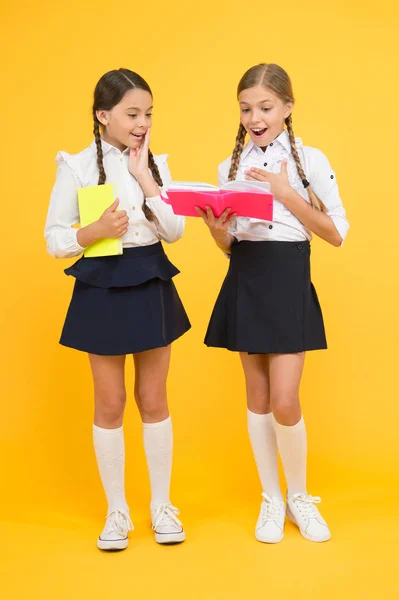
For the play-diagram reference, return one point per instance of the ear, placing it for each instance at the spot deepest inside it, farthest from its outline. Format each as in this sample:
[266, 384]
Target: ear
[288, 109]
[103, 117]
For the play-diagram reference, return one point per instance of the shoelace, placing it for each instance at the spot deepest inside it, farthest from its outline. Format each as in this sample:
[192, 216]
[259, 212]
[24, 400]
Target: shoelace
[166, 514]
[119, 521]
[306, 505]
[270, 510]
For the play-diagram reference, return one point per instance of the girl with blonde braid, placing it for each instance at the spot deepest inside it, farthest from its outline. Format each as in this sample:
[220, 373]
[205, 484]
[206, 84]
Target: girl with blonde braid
[268, 309]
[123, 304]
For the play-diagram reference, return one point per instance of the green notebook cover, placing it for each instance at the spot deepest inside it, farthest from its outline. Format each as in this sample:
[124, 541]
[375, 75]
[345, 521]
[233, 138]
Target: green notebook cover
[93, 201]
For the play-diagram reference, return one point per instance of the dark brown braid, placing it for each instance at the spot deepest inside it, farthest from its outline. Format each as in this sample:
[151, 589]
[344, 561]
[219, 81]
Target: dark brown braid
[158, 180]
[314, 199]
[97, 137]
[235, 158]
[108, 92]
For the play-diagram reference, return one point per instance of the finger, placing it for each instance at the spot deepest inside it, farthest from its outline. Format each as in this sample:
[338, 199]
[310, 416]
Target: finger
[250, 177]
[146, 142]
[200, 212]
[209, 213]
[230, 220]
[113, 207]
[253, 176]
[261, 172]
[122, 233]
[224, 215]
[284, 170]
[121, 214]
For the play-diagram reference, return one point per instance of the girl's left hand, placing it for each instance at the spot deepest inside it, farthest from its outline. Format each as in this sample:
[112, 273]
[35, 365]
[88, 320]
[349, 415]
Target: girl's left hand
[279, 182]
[138, 158]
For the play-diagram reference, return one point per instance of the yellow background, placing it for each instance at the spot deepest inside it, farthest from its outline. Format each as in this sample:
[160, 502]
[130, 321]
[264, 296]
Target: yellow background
[341, 57]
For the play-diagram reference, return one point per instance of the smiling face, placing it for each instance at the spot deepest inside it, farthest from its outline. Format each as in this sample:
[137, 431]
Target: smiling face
[262, 114]
[125, 125]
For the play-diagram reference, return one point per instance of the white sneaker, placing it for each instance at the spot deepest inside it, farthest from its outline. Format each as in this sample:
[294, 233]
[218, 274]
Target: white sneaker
[270, 525]
[302, 511]
[115, 532]
[167, 527]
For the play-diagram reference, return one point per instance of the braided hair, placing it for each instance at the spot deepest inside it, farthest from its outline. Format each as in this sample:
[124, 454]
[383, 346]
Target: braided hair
[277, 80]
[108, 92]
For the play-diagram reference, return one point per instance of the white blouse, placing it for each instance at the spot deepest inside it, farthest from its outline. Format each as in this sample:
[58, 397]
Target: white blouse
[285, 226]
[80, 170]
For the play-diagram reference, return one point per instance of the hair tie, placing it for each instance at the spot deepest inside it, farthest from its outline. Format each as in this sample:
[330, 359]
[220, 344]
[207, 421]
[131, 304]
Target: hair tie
[305, 183]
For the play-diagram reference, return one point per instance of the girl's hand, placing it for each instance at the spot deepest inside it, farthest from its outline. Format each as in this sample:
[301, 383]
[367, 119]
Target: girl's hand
[217, 226]
[113, 223]
[280, 186]
[138, 158]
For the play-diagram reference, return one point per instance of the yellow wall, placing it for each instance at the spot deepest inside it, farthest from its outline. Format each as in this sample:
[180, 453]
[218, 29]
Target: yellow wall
[342, 64]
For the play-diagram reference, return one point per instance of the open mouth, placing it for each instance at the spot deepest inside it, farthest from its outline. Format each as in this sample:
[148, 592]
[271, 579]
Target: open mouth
[259, 132]
[138, 136]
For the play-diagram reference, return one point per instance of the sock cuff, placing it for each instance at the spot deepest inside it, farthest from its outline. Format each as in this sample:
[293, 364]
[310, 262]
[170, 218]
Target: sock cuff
[159, 424]
[101, 430]
[258, 418]
[290, 428]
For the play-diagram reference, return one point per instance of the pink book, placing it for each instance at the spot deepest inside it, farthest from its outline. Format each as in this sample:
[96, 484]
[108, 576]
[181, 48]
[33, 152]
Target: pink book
[246, 198]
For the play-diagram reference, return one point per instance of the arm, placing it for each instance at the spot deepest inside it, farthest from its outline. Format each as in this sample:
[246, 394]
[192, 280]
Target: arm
[63, 241]
[219, 228]
[62, 214]
[170, 227]
[330, 224]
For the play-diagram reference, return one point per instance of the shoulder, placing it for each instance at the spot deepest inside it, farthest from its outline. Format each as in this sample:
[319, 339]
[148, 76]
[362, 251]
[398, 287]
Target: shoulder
[225, 165]
[77, 163]
[314, 157]
[161, 160]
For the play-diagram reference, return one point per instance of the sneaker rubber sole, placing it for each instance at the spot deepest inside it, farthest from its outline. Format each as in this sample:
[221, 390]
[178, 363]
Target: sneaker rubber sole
[304, 534]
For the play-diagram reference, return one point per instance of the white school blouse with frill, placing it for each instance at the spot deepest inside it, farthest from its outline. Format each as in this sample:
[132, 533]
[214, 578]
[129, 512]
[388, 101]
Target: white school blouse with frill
[285, 226]
[80, 170]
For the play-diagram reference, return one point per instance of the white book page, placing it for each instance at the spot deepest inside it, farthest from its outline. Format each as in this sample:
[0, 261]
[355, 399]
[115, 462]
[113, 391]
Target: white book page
[192, 186]
[246, 186]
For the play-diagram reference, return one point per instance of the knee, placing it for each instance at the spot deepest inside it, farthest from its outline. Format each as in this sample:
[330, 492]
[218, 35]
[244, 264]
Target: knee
[151, 404]
[110, 406]
[258, 401]
[286, 408]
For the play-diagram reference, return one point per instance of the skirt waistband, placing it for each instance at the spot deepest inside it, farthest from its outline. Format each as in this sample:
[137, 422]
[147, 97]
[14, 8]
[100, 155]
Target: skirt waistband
[123, 270]
[272, 248]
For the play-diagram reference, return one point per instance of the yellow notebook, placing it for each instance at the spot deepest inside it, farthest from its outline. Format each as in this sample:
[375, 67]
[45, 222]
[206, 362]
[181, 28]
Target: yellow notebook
[93, 201]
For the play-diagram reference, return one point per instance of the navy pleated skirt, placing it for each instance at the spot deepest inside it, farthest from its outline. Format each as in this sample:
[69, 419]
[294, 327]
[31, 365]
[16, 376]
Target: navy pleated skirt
[124, 304]
[267, 303]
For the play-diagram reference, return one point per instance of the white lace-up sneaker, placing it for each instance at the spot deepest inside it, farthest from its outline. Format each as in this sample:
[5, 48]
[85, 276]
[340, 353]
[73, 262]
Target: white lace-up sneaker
[302, 511]
[166, 526]
[115, 533]
[270, 525]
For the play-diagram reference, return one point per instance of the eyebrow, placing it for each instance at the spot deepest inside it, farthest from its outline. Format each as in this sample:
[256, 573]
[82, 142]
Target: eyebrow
[136, 108]
[261, 102]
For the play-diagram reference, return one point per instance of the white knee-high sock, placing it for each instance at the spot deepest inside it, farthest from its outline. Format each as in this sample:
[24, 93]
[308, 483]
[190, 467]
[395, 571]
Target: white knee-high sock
[292, 444]
[109, 446]
[158, 446]
[264, 446]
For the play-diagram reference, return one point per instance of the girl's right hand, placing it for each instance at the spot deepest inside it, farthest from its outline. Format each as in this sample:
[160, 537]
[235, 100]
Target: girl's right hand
[219, 226]
[113, 223]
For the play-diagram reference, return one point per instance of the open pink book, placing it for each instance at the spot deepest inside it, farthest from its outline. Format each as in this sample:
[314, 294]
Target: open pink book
[246, 198]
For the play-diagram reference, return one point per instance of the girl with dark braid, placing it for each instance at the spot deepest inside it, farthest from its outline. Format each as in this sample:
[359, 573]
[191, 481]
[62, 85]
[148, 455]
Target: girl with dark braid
[268, 309]
[124, 304]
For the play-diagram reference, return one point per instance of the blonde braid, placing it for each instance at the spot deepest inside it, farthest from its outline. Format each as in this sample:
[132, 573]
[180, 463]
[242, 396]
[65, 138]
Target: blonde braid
[235, 157]
[102, 175]
[314, 199]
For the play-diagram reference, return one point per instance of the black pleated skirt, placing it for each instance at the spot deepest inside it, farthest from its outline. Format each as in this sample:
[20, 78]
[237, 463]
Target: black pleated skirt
[124, 304]
[267, 303]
